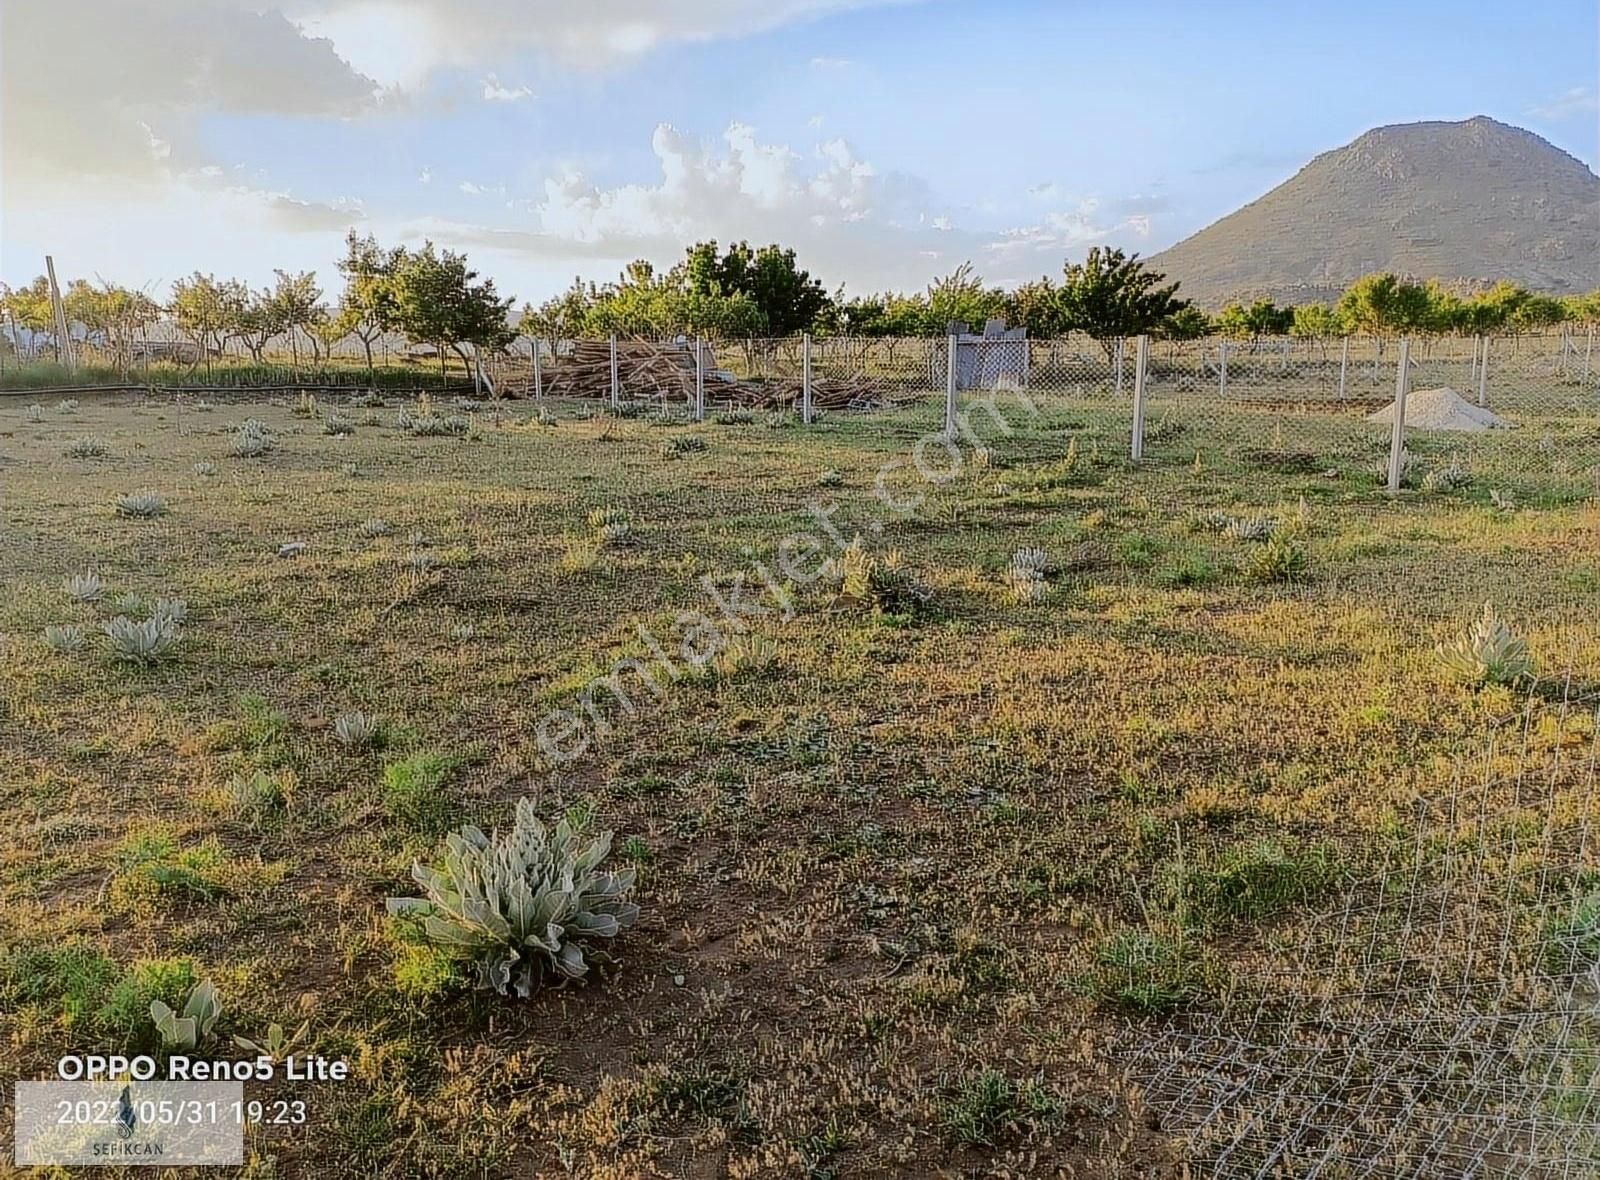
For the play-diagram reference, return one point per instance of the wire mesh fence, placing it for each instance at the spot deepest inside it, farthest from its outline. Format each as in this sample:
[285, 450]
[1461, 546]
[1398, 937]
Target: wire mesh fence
[1520, 410]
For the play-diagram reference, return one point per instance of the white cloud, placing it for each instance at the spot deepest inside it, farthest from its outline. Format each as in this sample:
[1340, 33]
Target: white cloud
[848, 221]
[425, 176]
[400, 42]
[119, 90]
[831, 64]
[494, 91]
[1580, 100]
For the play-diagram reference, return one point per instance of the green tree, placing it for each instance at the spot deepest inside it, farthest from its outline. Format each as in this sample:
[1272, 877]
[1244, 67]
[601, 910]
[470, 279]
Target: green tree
[114, 315]
[1384, 305]
[366, 305]
[30, 309]
[297, 304]
[1111, 294]
[1187, 323]
[962, 297]
[788, 298]
[210, 312]
[439, 300]
[1036, 306]
[1315, 321]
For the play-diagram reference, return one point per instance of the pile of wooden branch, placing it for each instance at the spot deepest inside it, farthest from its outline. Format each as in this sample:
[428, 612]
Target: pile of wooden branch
[647, 371]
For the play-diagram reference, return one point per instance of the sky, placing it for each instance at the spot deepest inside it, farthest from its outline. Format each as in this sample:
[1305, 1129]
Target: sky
[888, 141]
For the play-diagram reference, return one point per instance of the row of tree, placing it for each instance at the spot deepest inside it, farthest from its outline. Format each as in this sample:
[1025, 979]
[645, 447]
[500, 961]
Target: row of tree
[433, 297]
[429, 296]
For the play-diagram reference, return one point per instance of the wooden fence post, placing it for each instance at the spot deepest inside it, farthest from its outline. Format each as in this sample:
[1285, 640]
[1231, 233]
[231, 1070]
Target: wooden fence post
[1344, 367]
[1483, 374]
[699, 379]
[616, 386]
[805, 379]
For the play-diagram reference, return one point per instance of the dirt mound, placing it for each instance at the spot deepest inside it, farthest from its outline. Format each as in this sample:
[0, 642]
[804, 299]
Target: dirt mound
[1441, 409]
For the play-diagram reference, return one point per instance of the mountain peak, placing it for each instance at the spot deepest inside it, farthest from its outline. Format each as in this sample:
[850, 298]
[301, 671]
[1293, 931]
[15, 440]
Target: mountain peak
[1466, 202]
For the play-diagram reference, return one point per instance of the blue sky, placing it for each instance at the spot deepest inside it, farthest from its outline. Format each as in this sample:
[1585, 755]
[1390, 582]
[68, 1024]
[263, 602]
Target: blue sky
[889, 141]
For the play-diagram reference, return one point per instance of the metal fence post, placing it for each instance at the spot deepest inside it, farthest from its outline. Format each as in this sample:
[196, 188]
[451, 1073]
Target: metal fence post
[805, 379]
[950, 390]
[538, 372]
[1397, 436]
[1483, 374]
[1141, 358]
[1222, 365]
[1344, 367]
[699, 379]
[616, 386]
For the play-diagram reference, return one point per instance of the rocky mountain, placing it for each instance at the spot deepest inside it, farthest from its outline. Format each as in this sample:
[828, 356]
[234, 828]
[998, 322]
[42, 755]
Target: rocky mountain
[1467, 203]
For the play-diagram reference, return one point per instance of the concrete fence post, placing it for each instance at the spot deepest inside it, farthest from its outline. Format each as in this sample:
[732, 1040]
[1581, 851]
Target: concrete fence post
[616, 385]
[1222, 366]
[1344, 367]
[1483, 374]
[538, 372]
[805, 379]
[699, 379]
[1397, 436]
[1140, 363]
[950, 390]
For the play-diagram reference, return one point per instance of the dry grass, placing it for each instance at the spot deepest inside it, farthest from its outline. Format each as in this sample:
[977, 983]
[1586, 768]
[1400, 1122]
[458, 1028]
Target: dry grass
[894, 885]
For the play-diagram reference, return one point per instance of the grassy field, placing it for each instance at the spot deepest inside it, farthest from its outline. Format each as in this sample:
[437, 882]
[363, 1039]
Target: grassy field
[908, 879]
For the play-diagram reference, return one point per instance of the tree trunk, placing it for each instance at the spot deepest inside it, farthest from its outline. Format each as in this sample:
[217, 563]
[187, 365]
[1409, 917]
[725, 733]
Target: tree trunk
[372, 378]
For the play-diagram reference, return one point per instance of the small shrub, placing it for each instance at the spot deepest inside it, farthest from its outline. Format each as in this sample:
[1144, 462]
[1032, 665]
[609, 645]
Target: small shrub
[88, 448]
[986, 1106]
[1144, 971]
[414, 791]
[374, 528]
[1256, 880]
[735, 418]
[150, 642]
[194, 1026]
[1488, 652]
[1250, 528]
[357, 730]
[68, 405]
[147, 982]
[830, 479]
[73, 981]
[205, 470]
[64, 640]
[85, 587]
[1024, 586]
[255, 798]
[305, 406]
[521, 907]
[152, 866]
[1409, 467]
[35, 413]
[141, 505]
[252, 439]
[1572, 938]
[173, 610]
[338, 425]
[883, 583]
[683, 444]
[1448, 478]
[744, 655]
[1281, 559]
